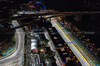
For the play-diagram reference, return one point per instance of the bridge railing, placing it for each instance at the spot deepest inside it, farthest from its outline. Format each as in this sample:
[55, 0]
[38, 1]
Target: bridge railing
[80, 48]
[85, 51]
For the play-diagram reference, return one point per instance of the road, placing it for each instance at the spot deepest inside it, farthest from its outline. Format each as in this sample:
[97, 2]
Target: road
[85, 60]
[17, 56]
[28, 48]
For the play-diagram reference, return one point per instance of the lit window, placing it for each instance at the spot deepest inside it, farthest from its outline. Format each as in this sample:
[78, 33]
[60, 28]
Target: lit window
[64, 53]
[59, 44]
[62, 49]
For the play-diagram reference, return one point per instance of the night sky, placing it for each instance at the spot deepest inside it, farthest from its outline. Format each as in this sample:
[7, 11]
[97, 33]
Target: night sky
[66, 5]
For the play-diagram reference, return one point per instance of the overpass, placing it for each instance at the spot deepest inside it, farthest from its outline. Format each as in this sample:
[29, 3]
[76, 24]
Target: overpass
[24, 16]
[51, 15]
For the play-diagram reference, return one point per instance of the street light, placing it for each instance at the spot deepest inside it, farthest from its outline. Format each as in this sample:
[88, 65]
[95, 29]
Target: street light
[42, 50]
